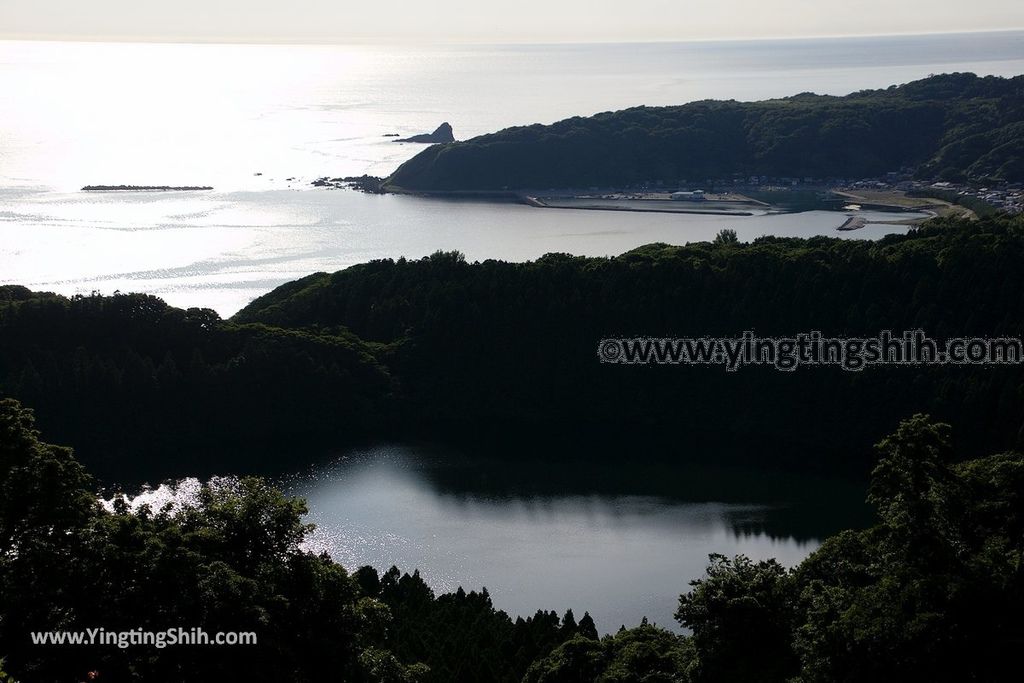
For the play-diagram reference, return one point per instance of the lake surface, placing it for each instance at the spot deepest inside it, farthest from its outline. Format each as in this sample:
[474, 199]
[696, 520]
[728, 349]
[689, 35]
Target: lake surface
[258, 123]
[621, 539]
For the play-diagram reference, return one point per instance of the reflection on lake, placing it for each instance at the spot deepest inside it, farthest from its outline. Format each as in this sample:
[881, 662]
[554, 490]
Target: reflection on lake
[620, 540]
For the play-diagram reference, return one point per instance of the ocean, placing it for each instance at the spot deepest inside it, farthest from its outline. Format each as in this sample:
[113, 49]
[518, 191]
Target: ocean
[259, 122]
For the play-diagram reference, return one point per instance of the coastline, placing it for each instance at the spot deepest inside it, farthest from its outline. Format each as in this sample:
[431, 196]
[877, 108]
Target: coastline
[639, 210]
[649, 203]
[728, 204]
[895, 201]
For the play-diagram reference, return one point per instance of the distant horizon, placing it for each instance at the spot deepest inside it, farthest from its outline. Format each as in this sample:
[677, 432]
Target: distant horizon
[227, 40]
[329, 22]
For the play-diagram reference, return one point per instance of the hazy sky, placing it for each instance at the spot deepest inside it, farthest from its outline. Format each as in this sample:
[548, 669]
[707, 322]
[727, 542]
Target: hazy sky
[490, 22]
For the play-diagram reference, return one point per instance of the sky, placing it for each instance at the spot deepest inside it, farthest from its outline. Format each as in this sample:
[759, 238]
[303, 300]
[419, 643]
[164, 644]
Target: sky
[488, 21]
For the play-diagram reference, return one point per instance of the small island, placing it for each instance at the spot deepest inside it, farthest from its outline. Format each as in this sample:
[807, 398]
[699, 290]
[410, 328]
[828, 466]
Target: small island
[441, 134]
[145, 188]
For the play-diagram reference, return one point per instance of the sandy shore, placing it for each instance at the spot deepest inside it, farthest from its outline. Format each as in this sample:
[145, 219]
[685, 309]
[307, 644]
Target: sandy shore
[724, 205]
[895, 200]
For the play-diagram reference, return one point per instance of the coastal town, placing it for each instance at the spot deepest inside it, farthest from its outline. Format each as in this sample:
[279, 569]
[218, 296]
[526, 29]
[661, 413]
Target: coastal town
[999, 197]
[744, 195]
[739, 195]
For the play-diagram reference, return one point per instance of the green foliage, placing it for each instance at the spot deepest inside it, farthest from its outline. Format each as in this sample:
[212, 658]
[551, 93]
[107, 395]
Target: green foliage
[726, 236]
[932, 593]
[507, 348]
[977, 205]
[919, 499]
[460, 636]
[229, 563]
[229, 560]
[580, 659]
[645, 654]
[43, 490]
[381, 665]
[957, 125]
[126, 374]
[741, 620]
[444, 348]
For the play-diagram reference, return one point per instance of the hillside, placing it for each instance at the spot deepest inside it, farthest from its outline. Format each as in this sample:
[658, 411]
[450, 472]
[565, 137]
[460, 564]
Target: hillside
[511, 346]
[952, 127]
[500, 352]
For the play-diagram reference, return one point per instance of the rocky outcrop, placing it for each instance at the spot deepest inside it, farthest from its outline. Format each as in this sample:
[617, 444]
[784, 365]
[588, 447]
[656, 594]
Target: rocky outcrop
[442, 134]
[364, 183]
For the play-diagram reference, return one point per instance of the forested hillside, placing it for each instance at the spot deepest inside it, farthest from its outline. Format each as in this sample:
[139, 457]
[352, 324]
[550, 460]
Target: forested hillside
[139, 383]
[931, 593]
[951, 127]
[512, 345]
[442, 348]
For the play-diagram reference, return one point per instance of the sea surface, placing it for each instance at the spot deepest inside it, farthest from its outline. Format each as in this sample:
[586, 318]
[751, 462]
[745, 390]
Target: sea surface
[258, 123]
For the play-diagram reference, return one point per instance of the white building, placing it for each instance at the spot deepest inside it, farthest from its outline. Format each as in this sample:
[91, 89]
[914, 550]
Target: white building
[695, 196]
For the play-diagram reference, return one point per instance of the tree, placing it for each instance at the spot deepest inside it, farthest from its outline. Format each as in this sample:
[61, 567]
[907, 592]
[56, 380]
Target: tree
[726, 236]
[742, 618]
[919, 498]
[44, 491]
[643, 654]
[587, 628]
[932, 593]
